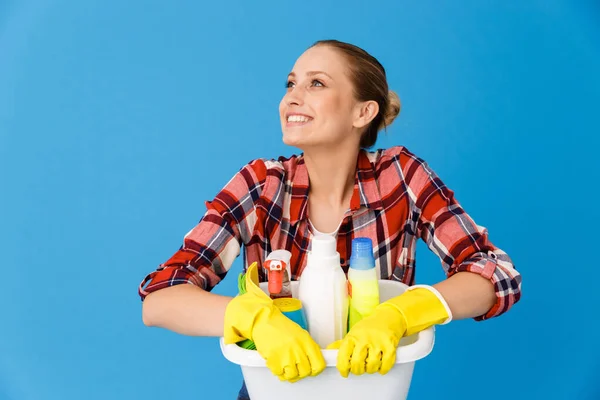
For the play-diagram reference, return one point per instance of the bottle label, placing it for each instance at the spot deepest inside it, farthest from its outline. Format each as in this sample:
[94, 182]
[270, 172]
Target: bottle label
[365, 301]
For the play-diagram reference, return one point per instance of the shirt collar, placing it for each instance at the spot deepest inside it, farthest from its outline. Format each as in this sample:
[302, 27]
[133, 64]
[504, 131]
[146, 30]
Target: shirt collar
[366, 193]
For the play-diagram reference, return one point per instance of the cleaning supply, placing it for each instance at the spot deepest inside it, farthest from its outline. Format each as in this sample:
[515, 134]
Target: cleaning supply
[292, 308]
[395, 385]
[323, 291]
[289, 351]
[277, 265]
[363, 282]
[370, 346]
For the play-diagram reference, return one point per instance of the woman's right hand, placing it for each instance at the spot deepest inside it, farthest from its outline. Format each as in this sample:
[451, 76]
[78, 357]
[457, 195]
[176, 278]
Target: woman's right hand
[289, 351]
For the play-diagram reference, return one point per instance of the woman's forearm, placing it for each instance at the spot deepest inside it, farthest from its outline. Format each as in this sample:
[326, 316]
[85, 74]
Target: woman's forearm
[189, 310]
[468, 295]
[185, 309]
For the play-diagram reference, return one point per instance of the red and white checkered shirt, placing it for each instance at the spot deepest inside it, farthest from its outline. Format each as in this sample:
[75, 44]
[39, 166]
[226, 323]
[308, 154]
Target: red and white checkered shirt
[397, 199]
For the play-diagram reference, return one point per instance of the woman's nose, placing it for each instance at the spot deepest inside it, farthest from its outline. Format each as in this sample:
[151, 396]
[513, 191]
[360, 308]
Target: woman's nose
[295, 97]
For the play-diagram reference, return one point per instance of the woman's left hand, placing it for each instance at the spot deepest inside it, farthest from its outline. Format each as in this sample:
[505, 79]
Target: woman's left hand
[370, 346]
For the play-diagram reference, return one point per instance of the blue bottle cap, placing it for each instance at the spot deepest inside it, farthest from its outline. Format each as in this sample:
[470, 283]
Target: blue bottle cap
[362, 254]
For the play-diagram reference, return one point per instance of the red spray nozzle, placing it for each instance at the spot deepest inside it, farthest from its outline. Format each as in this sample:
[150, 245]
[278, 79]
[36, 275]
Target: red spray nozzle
[275, 268]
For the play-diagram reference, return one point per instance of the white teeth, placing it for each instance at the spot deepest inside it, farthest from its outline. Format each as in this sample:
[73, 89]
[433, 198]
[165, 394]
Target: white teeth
[297, 118]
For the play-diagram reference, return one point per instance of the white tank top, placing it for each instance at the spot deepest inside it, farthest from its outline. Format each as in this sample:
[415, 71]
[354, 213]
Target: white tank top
[316, 232]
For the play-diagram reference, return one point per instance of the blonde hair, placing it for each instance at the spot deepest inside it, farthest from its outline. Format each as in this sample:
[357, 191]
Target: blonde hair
[391, 112]
[370, 83]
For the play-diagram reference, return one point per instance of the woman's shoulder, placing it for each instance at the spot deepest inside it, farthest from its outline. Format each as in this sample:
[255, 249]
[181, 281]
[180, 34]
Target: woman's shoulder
[386, 157]
[281, 167]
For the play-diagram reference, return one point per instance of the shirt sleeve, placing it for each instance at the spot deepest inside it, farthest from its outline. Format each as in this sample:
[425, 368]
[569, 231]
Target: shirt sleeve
[457, 240]
[210, 248]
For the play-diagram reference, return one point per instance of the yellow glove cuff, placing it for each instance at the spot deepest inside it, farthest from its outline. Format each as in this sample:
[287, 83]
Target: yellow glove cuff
[422, 306]
[244, 311]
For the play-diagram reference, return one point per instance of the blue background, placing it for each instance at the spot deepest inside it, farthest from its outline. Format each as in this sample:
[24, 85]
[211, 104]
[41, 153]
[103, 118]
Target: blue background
[119, 119]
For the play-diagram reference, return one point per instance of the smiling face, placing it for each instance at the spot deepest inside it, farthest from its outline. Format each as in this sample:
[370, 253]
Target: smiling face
[319, 108]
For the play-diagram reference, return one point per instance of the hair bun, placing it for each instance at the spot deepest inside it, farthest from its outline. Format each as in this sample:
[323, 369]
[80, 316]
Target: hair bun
[392, 110]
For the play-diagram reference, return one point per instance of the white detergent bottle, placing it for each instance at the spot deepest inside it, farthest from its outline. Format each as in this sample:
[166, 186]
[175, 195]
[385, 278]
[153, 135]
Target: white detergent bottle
[323, 291]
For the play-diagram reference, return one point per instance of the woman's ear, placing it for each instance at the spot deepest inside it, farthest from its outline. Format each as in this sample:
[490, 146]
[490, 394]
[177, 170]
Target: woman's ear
[364, 113]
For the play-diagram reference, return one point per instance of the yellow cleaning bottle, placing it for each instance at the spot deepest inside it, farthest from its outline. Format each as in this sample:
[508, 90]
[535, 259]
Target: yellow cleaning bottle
[363, 283]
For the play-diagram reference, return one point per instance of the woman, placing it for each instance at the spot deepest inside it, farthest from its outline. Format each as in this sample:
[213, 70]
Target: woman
[337, 101]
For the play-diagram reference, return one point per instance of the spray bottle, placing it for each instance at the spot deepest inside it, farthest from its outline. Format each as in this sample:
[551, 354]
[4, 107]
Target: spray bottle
[277, 265]
[363, 283]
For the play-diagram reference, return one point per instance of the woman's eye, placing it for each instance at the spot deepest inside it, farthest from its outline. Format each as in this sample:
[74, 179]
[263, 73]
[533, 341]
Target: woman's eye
[317, 83]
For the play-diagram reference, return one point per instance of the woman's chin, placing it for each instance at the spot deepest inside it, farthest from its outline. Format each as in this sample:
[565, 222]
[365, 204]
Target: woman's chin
[295, 139]
[307, 142]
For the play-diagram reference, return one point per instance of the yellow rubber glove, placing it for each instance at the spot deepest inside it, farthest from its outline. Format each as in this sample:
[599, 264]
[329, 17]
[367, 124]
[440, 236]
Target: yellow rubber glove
[370, 346]
[289, 351]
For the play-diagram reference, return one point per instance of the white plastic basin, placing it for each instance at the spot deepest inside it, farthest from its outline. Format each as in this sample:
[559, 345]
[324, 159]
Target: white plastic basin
[263, 385]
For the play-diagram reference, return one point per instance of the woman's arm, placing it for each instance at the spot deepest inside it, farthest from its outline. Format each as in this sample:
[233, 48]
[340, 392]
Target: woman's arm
[468, 295]
[482, 281]
[176, 296]
[186, 309]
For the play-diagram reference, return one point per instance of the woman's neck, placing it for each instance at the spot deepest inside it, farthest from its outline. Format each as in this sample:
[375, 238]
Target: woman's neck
[332, 175]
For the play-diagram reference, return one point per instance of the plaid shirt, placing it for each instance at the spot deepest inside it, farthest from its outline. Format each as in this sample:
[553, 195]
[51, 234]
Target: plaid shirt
[397, 199]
